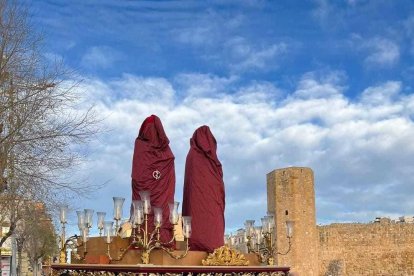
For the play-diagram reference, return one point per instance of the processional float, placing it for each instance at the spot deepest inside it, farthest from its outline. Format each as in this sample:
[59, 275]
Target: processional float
[146, 249]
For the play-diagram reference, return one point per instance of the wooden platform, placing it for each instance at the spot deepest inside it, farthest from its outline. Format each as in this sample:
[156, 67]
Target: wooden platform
[96, 262]
[97, 254]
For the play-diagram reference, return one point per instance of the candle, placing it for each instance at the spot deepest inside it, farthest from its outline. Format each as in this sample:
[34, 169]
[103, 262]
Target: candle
[174, 212]
[187, 226]
[174, 218]
[108, 227]
[187, 231]
[63, 212]
[85, 234]
[139, 218]
[145, 197]
[146, 207]
[118, 203]
[259, 237]
[158, 218]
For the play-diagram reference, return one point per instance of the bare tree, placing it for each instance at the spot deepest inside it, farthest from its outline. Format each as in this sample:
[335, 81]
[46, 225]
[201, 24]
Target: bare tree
[41, 124]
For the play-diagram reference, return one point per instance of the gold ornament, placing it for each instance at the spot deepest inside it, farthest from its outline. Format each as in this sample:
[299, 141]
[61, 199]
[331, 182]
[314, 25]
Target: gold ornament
[225, 256]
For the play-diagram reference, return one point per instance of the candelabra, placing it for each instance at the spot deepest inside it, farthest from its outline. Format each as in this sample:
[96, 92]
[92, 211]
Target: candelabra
[147, 241]
[72, 241]
[141, 237]
[261, 240]
[63, 221]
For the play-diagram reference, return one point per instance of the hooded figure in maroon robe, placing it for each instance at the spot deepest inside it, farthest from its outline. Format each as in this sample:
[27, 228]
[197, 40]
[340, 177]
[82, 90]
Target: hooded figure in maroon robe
[204, 192]
[153, 170]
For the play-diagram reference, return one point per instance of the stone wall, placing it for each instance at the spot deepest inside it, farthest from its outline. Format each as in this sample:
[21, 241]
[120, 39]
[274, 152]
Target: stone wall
[381, 248]
[366, 249]
[291, 197]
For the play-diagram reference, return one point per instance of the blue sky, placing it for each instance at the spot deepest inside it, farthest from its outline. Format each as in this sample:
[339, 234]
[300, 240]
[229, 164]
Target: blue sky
[323, 84]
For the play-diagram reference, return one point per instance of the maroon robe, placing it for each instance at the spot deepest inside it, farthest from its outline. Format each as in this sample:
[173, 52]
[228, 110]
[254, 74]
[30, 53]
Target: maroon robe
[203, 196]
[152, 154]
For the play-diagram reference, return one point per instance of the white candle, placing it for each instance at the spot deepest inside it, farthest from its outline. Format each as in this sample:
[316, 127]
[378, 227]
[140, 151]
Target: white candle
[139, 217]
[187, 229]
[174, 218]
[63, 211]
[146, 207]
[259, 238]
[85, 235]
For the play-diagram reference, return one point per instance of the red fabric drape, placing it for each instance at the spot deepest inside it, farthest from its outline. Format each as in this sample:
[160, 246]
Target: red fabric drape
[152, 153]
[204, 196]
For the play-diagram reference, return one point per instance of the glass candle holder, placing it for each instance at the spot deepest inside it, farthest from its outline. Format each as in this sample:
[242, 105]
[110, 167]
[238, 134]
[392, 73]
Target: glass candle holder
[118, 204]
[88, 217]
[174, 212]
[270, 222]
[85, 234]
[146, 199]
[289, 228]
[187, 226]
[259, 235]
[138, 213]
[265, 224]
[81, 220]
[101, 219]
[108, 231]
[63, 214]
[249, 225]
[157, 216]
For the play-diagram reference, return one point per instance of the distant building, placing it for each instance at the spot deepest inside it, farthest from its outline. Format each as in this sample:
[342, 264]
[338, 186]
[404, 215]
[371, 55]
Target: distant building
[8, 247]
[407, 219]
[6, 252]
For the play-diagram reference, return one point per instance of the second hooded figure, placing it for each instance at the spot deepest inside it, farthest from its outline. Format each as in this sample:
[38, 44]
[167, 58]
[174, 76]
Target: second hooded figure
[204, 195]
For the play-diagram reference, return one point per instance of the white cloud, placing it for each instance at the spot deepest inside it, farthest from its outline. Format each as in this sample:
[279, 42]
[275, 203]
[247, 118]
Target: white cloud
[207, 29]
[311, 86]
[381, 52]
[246, 56]
[100, 57]
[196, 85]
[382, 94]
[360, 150]
[409, 29]
[322, 10]
[216, 36]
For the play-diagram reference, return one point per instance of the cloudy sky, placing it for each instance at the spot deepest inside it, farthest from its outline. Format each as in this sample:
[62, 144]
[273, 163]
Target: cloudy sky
[322, 84]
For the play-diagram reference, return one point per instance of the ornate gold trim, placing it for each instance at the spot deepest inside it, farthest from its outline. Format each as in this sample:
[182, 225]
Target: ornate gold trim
[225, 256]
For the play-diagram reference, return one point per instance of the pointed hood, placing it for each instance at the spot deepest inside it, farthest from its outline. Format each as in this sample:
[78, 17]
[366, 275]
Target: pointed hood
[153, 132]
[204, 141]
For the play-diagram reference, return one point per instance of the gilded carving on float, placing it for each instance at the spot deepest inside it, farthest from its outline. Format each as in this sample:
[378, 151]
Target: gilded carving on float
[225, 256]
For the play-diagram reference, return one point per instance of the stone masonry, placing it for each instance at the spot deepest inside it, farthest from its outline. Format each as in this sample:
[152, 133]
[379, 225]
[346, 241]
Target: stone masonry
[291, 196]
[380, 248]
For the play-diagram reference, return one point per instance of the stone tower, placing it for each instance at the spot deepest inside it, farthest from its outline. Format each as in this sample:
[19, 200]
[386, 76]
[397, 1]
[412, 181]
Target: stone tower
[291, 196]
